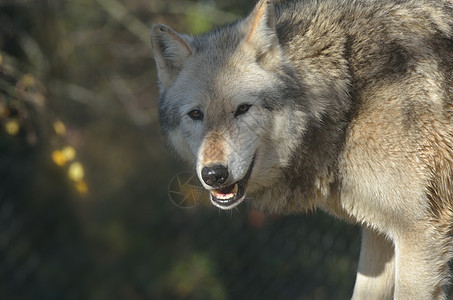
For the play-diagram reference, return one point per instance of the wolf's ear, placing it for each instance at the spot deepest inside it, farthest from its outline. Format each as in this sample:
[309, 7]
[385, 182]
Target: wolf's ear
[260, 29]
[170, 52]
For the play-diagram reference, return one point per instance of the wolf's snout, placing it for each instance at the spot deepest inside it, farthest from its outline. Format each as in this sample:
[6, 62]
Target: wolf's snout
[214, 175]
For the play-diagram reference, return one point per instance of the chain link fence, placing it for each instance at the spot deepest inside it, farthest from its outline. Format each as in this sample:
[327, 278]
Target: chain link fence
[143, 246]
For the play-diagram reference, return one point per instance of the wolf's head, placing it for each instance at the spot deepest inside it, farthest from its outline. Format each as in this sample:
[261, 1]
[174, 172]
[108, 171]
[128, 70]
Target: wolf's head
[227, 104]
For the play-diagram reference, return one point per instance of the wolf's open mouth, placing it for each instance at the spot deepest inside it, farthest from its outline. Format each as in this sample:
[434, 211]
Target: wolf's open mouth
[228, 196]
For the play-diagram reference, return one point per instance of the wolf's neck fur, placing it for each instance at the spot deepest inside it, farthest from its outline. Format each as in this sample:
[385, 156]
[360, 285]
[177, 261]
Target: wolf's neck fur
[318, 52]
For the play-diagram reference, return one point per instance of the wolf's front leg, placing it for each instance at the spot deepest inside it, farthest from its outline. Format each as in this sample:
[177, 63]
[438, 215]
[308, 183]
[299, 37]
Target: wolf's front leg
[376, 272]
[421, 259]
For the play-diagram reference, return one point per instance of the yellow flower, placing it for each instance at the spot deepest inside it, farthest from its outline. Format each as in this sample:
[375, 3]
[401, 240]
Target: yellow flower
[81, 187]
[59, 128]
[69, 153]
[12, 127]
[58, 158]
[76, 171]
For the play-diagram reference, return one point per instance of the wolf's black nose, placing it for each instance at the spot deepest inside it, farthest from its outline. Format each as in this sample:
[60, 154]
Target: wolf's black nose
[214, 175]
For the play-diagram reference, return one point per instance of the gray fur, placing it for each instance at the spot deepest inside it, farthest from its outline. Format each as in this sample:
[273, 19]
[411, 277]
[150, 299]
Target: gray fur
[351, 111]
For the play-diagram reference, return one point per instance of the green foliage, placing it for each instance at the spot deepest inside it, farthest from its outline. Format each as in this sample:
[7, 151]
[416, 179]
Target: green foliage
[197, 22]
[193, 277]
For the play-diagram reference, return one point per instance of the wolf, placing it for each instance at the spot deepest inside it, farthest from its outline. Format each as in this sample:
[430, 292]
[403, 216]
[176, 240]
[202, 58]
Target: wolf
[344, 106]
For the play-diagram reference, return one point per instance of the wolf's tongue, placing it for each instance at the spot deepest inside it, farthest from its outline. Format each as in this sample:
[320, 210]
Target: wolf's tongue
[226, 192]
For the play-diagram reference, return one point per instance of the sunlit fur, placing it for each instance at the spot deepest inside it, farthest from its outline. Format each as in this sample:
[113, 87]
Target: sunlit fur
[351, 112]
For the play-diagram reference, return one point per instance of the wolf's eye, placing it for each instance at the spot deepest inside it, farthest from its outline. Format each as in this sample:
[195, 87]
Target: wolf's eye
[242, 109]
[196, 115]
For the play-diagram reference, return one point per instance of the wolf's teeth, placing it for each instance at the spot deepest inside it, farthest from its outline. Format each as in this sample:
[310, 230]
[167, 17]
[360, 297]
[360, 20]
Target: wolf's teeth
[235, 189]
[223, 196]
[227, 196]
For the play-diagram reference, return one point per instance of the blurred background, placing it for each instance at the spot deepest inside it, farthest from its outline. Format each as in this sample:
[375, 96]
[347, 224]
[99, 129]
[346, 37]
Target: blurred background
[92, 204]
